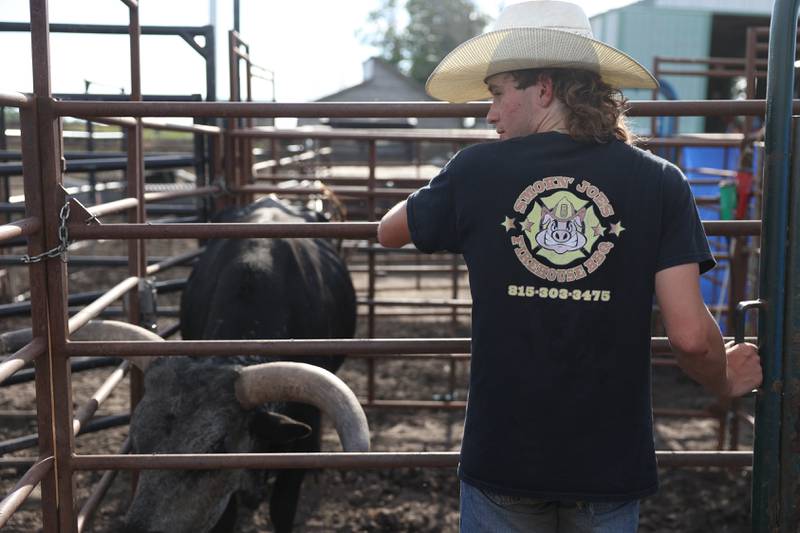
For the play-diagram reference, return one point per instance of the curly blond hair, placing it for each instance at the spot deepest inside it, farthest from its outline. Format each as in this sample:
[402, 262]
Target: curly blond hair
[595, 110]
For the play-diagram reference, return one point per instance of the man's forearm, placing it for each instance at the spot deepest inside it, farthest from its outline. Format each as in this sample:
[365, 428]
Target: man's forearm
[707, 365]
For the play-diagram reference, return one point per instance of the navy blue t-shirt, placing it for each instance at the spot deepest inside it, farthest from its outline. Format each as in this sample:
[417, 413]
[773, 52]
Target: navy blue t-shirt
[562, 240]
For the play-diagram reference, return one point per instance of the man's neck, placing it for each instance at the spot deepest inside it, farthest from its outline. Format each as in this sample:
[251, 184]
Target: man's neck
[554, 119]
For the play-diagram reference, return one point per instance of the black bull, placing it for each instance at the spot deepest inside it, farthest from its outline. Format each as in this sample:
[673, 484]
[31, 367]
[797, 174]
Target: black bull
[239, 289]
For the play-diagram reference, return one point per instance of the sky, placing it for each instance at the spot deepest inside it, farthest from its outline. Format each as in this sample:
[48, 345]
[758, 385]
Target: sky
[313, 46]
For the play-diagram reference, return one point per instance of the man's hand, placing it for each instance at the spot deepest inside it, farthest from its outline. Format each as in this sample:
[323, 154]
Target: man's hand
[743, 368]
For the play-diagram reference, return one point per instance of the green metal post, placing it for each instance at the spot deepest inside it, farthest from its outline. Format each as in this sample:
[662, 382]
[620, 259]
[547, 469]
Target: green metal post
[790, 423]
[772, 288]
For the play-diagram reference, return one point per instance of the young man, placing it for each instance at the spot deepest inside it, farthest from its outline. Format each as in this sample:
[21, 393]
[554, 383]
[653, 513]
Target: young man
[567, 231]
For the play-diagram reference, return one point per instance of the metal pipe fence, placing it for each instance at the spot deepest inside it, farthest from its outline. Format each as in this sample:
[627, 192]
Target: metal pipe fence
[18, 100]
[24, 488]
[127, 284]
[20, 228]
[352, 460]
[705, 108]
[367, 348]
[43, 176]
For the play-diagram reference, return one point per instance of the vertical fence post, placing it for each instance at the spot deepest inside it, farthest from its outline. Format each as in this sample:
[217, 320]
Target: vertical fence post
[231, 144]
[39, 305]
[275, 154]
[49, 151]
[94, 199]
[767, 471]
[135, 188]
[213, 142]
[750, 69]
[790, 423]
[6, 290]
[654, 95]
[248, 142]
[3, 142]
[373, 157]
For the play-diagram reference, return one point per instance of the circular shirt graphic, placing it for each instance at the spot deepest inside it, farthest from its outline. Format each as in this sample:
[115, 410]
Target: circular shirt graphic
[562, 228]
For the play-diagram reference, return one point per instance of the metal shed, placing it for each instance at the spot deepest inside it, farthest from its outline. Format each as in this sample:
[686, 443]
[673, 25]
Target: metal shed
[684, 29]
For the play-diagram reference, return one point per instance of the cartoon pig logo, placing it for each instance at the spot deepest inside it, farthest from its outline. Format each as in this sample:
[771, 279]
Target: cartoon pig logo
[562, 228]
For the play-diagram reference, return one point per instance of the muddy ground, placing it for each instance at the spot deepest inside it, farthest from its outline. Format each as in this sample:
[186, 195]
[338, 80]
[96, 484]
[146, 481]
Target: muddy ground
[419, 500]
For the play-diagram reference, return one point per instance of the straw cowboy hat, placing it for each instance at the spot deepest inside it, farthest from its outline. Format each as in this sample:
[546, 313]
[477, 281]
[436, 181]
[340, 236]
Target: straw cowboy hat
[537, 34]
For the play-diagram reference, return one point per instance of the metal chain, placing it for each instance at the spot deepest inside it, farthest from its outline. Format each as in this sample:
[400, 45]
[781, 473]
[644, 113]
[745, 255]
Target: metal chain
[63, 240]
[223, 187]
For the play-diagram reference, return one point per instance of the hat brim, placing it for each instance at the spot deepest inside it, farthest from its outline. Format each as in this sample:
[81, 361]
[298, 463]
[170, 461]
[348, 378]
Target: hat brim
[461, 74]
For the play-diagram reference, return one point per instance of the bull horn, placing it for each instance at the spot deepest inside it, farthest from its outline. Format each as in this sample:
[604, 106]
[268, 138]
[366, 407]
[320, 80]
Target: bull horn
[94, 330]
[113, 330]
[300, 382]
[12, 341]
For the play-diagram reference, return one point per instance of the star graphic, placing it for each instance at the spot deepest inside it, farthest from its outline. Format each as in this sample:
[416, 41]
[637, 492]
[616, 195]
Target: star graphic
[598, 230]
[617, 228]
[508, 223]
[527, 225]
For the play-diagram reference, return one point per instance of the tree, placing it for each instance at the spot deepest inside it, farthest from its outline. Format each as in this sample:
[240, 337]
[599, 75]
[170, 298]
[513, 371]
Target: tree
[434, 28]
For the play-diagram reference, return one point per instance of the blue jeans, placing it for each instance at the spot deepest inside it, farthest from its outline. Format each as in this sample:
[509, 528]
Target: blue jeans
[487, 512]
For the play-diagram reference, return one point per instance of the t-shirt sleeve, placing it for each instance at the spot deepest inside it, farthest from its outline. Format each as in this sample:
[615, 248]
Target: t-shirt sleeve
[432, 214]
[683, 239]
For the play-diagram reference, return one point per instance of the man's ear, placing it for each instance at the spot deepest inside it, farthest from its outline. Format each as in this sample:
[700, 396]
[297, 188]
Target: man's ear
[544, 90]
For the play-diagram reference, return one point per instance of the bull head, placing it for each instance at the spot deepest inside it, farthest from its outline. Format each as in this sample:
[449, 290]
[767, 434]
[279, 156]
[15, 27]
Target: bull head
[202, 406]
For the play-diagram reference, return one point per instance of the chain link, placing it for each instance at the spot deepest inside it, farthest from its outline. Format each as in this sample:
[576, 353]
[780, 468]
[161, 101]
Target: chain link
[63, 240]
[223, 187]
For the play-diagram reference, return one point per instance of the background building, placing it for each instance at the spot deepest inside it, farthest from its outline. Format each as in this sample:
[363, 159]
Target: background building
[384, 83]
[684, 29]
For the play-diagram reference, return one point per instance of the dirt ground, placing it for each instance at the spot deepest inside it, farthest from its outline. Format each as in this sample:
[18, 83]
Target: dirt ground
[410, 499]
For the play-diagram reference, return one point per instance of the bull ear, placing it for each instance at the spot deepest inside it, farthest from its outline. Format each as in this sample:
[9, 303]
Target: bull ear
[276, 428]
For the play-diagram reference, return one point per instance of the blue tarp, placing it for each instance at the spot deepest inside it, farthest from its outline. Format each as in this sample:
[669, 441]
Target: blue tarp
[714, 284]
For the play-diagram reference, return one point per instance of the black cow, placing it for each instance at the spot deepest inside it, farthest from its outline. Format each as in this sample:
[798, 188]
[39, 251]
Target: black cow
[240, 289]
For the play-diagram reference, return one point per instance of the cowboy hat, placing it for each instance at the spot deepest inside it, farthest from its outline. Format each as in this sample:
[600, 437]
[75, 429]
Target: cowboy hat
[536, 34]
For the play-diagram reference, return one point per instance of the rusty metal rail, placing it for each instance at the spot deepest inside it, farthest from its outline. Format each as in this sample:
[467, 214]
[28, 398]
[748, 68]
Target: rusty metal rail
[23, 489]
[99, 491]
[351, 460]
[706, 108]
[95, 308]
[160, 196]
[15, 100]
[88, 409]
[345, 192]
[345, 230]
[125, 204]
[453, 135]
[362, 192]
[120, 289]
[16, 361]
[126, 122]
[20, 228]
[290, 348]
[115, 206]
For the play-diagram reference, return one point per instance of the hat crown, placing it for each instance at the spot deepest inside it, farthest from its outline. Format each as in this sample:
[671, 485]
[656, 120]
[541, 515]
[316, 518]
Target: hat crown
[535, 34]
[549, 14]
